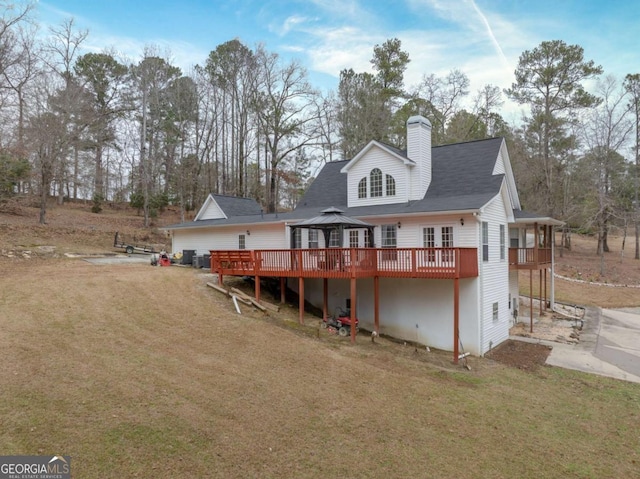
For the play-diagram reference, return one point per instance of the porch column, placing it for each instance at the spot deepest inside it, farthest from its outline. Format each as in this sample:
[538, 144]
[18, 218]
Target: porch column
[376, 303]
[456, 320]
[257, 287]
[353, 310]
[536, 240]
[301, 299]
[325, 295]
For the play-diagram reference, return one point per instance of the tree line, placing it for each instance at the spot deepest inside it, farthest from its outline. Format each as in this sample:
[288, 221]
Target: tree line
[248, 123]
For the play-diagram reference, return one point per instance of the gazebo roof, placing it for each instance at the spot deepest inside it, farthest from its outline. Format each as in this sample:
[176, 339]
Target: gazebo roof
[331, 218]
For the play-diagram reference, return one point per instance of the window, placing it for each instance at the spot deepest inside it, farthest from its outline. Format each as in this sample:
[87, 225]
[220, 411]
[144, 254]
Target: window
[376, 183]
[297, 238]
[447, 242]
[313, 239]
[389, 240]
[429, 241]
[367, 239]
[485, 241]
[502, 243]
[353, 238]
[362, 188]
[495, 311]
[513, 238]
[242, 242]
[334, 239]
[391, 186]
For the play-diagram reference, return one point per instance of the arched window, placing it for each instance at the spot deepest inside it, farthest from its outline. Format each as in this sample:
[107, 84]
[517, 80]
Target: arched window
[391, 186]
[362, 188]
[376, 183]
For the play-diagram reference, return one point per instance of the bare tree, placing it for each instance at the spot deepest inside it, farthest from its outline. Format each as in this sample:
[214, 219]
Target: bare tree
[288, 115]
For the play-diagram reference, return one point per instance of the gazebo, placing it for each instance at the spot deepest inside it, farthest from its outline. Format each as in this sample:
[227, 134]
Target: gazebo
[329, 220]
[332, 219]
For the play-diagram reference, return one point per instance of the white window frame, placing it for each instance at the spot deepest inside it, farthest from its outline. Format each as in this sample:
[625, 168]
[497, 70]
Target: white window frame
[242, 241]
[313, 239]
[485, 241]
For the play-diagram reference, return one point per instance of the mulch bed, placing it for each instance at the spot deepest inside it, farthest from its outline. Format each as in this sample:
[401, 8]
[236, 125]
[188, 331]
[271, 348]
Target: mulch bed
[520, 354]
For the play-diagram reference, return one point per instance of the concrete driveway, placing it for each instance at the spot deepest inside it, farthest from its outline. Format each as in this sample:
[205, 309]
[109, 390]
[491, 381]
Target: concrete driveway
[609, 345]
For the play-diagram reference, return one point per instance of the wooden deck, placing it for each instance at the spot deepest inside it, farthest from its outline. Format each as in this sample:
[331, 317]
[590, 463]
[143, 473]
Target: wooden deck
[529, 258]
[435, 263]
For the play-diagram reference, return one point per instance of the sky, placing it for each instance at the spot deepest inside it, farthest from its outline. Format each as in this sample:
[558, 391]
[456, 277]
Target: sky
[482, 38]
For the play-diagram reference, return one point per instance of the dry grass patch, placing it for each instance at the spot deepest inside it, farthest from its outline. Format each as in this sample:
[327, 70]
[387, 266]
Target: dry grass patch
[137, 371]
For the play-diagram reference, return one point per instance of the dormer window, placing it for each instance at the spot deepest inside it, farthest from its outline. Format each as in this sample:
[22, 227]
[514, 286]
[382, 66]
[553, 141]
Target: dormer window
[376, 183]
[362, 188]
[391, 185]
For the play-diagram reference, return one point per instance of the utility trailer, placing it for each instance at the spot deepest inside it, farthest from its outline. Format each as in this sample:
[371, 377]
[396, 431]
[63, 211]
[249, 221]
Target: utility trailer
[130, 248]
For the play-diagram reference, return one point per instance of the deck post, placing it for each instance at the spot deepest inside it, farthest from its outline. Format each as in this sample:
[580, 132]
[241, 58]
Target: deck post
[325, 294]
[257, 287]
[456, 320]
[353, 310]
[301, 299]
[283, 289]
[376, 303]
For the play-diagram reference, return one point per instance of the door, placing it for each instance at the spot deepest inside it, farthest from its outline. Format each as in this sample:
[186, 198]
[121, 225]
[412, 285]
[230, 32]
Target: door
[437, 237]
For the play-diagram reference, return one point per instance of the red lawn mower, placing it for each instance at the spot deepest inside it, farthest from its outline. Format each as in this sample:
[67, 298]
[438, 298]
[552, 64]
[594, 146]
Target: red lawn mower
[340, 322]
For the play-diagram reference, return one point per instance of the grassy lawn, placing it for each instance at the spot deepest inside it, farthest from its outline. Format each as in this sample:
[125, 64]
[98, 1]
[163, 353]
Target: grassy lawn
[137, 371]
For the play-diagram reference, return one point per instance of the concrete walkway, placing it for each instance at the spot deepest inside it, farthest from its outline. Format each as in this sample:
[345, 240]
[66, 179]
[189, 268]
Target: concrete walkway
[609, 345]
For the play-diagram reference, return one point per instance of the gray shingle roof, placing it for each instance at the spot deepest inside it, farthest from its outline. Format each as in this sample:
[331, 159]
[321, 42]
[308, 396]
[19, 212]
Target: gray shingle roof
[234, 206]
[461, 180]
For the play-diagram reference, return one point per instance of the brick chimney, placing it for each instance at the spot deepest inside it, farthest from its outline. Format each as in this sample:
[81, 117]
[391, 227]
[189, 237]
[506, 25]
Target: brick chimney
[419, 150]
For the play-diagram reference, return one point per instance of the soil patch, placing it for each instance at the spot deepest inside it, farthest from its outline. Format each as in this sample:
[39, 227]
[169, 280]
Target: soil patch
[520, 354]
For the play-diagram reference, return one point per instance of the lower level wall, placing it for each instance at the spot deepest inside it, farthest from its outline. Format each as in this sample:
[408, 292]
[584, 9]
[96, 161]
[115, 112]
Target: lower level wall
[419, 310]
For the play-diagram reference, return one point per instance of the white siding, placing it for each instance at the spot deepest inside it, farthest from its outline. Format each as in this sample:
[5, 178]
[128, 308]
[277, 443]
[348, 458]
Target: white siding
[498, 168]
[204, 239]
[514, 291]
[410, 231]
[419, 150]
[494, 277]
[389, 165]
[405, 303]
[211, 211]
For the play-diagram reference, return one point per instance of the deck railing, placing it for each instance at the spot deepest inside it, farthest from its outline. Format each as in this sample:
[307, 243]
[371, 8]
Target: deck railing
[349, 262]
[529, 257]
